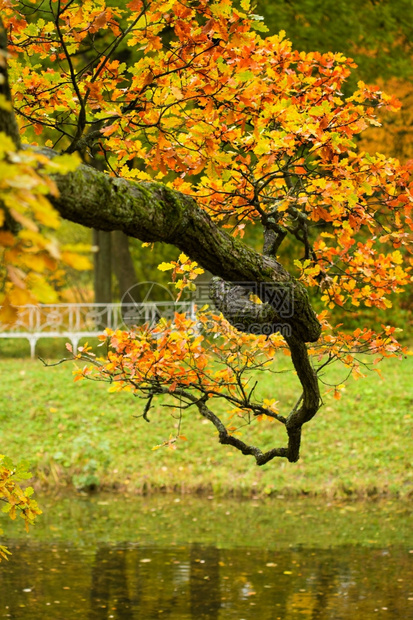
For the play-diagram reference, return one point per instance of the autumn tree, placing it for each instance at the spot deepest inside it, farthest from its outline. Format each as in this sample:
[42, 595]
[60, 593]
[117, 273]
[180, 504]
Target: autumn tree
[206, 128]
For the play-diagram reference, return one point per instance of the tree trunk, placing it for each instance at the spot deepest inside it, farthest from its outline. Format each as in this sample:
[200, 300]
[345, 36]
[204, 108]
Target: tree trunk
[123, 266]
[103, 267]
[102, 273]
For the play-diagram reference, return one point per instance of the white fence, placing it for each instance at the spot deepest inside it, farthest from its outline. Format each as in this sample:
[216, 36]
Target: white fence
[76, 321]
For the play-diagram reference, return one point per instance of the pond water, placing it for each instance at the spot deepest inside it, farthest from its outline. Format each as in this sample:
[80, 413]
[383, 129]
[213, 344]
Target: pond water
[96, 558]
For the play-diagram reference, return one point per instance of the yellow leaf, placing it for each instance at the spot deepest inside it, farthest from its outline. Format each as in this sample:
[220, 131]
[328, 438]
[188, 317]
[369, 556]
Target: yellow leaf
[35, 262]
[6, 144]
[4, 104]
[41, 289]
[165, 266]
[76, 261]
[20, 297]
[116, 387]
[8, 314]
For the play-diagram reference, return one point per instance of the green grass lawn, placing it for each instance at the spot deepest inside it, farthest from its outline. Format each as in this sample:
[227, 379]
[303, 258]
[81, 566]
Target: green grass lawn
[77, 434]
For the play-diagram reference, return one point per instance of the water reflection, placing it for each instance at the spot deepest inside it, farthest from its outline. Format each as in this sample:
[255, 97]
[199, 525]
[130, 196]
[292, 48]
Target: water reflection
[130, 582]
[110, 584]
[189, 558]
[204, 582]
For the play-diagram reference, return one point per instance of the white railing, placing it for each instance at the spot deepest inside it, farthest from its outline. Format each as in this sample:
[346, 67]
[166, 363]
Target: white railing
[76, 321]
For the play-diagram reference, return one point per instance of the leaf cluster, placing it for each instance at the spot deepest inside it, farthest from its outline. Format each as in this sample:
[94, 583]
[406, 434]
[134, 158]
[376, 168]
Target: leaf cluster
[17, 501]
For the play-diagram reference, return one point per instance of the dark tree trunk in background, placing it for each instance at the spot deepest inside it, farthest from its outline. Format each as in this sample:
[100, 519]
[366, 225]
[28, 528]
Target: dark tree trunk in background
[123, 266]
[102, 267]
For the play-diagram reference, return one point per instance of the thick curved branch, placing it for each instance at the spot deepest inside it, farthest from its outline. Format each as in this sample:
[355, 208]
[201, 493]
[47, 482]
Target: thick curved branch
[153, 212]
[248, 316]
[226, 438]
[303, 412]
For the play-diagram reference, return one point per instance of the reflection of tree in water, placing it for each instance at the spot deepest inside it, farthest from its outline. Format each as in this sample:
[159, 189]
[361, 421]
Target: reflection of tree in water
[109, 587]
[322, 580]
[201, 582]
[123, 587]
[205, 591]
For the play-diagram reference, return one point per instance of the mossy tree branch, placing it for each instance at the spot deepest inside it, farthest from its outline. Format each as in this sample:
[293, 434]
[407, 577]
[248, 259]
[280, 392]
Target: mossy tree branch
[153, 212]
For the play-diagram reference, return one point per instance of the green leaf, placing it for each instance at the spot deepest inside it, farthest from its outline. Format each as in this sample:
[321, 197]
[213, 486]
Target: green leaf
[67, 163]
[244, 76]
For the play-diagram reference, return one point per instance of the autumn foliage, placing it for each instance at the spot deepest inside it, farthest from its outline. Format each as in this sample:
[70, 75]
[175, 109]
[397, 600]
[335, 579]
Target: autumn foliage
[32, 259]
[193, 95]
[18, 502]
